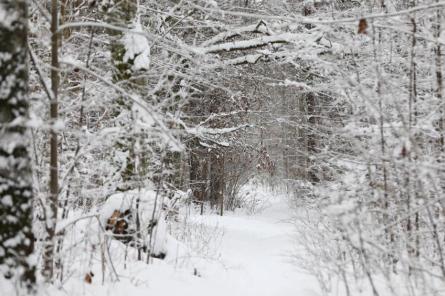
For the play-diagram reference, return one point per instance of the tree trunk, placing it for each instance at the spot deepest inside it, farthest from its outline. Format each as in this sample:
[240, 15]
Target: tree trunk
[439, 84]
[311, 137]
[198, 173]
[122, 14]
[51, 209]
[16, 237]
[217, 181]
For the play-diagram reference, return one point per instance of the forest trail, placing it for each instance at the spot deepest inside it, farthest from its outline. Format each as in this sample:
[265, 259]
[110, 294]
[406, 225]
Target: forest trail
[256, 254]
[257, 250]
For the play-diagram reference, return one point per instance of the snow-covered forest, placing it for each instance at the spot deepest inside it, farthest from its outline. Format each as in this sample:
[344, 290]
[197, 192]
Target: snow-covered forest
[222, 147]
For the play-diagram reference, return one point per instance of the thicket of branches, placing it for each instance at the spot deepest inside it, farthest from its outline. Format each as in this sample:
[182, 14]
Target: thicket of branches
[338, 102]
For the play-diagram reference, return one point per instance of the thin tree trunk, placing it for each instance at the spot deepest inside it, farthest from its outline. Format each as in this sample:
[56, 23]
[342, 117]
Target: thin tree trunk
[311, 136]
[51, 219]
[411, 121]
[439, 82]
[385, 200]
[217, 182]
[138, 227]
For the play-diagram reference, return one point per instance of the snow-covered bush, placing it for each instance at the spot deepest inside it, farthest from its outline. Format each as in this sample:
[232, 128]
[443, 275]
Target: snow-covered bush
[145, 220]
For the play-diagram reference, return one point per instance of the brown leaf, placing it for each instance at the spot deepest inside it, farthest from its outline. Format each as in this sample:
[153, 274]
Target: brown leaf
[89, 278]
[362, 26]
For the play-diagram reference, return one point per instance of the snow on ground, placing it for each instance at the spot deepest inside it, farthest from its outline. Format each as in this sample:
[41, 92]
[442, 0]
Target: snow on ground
[254, 258]
[257, 252]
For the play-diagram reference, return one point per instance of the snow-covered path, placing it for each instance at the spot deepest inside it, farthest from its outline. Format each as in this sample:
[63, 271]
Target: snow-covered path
[256, 250]
[255, 253]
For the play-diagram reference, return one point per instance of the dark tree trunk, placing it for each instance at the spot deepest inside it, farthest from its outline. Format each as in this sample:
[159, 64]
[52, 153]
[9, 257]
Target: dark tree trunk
[198, 175]
[51, 209]
[217, 181]
[16, 237]
[311, 137]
